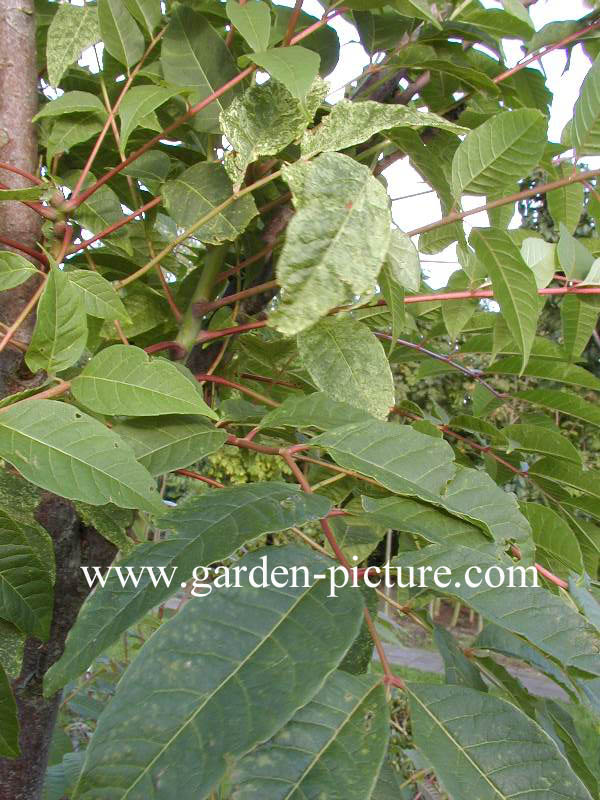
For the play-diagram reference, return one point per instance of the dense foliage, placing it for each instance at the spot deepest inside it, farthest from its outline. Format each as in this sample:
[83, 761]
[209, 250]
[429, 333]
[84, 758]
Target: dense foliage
[228, 319]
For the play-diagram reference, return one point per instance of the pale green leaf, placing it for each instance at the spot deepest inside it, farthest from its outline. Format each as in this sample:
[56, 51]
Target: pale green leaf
[350, 123]
[397, 456]
[208, 529]
[540, 257]
[458, 669]
[25, 585]
[71, 103]
[264, 120]
[137, 104]
[565, 205]
[61, 449]
[484, 747]
[403, 262]
[574, 258]
[335, 243]
[195, 57]
[9, 723]
[554, 539]
[296, 67]
[586, 118]
[120, 33]
[334, 745]
[170, 443]
[593, 276]
[346, 361]
[212, 657]
[578, 324]
[60, 331]
[317, 410]
[14, 270]
[540, 439]
[499, 152]
[124, 380]
[72, 30]
[252, 20]
[147, 12]
[421, 9]
[99, 297]
[200, 189]
[514, 284]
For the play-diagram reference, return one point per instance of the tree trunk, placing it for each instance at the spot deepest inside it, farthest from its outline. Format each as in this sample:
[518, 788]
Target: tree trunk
[74, 543]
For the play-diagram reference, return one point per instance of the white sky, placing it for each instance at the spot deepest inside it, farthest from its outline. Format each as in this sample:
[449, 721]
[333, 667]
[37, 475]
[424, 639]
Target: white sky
[402, 179]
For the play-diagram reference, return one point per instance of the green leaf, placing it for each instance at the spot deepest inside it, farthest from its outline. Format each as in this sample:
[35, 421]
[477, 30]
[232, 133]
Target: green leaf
[393, 293]
[499, 152]
[14, 270]
[252, 20]
[296, 67]
[542, 618]
[317, 410]
[99, 297]
[350, 123]
[397, 456]
[334, 745]
[111, 522]
[208, 529]
[66, 132]
[578, 324]
[72, 30]
[554, 539]
[232, 650]
[421, 9]
[124, 380]
[567, 475]
[137, 104]
[60, 331]
[100, 211]
[593, 276]
[586, 117]
[402, 260]
[120, 33]
[28, 193]
[25, 585]
[200, 189]
[71, 103]
[565, 204]
[540, 258]
[565, 402]
[346, 361]
[546, 368]
[342, 220]
[482, 746]
[264, 120]
[9, 723]
[170, 443]
[575, 259]
[459, 671]
[514, 285]
[195, 57]
[540, 439]
[147, 12]
[59, 448]
[150, 168]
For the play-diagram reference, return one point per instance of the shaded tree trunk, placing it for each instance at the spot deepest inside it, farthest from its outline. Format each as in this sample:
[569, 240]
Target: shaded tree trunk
[74, 543]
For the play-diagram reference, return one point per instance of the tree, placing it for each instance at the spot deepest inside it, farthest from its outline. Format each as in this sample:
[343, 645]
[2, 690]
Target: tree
[197, 264]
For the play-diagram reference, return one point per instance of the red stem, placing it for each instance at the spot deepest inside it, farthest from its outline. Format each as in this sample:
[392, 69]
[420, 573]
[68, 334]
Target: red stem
[205, 377]
[116, 225]
[41, 257]
[73, 203]
[23, 173]
[197, 477]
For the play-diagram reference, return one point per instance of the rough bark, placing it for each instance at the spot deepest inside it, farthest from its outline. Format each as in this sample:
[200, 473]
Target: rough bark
[18, 148]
